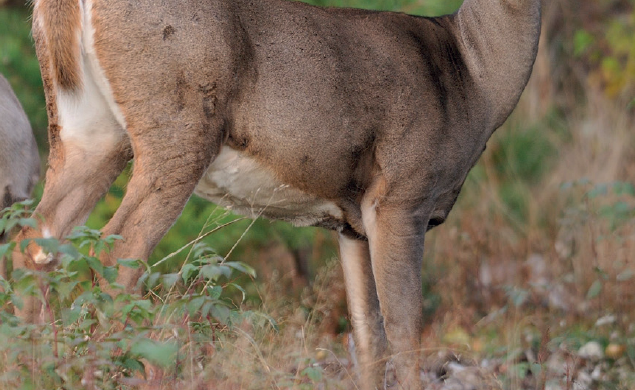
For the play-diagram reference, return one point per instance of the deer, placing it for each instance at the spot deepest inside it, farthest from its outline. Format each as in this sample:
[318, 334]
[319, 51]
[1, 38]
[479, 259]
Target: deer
[19, 156]
[363, 122]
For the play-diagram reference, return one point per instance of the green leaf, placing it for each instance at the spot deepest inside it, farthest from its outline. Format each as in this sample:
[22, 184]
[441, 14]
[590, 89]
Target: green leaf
[95, 264]
[69, 250]
[152, 280]
[87, 323]
[241, 267]
[567, 185]
[162, 354]
[71, 314]
[187, 271]
[99, 247]
[201, 249]
[17, 301]
[221, 313]
[28, 385]
[49, 245]
[518, 296]
[625, 275]
[130, 263]
[206, 308]
[211, 272]
[536, 369]
[582, 41]
[169, 280]
[84, 233]
[215, 291]
[110, 274]
[144, 304]
[6, 248]
[601, 273]
[133, 365]
[195, 305]
[65, 289]
[10, 224]
[112, 238]
[598, 190]
[623, 188]
[313, 373]
[239, 288]
[594, 290]
[28, 222]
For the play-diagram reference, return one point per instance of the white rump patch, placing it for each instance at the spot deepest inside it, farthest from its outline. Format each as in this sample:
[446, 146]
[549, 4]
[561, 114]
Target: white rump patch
[90, 119]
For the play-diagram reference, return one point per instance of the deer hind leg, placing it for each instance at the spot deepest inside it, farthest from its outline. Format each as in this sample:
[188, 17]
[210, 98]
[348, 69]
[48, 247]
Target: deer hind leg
[89, 150]
[164, 176]
[396, 238]
[363, 306]
[83, 162]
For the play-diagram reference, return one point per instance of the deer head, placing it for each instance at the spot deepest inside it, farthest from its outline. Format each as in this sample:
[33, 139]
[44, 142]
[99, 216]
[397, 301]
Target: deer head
[19, 158]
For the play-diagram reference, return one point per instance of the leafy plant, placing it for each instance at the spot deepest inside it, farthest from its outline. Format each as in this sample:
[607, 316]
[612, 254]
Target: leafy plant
[92, 334]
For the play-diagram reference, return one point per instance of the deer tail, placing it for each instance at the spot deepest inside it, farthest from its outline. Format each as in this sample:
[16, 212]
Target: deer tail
[61, 22]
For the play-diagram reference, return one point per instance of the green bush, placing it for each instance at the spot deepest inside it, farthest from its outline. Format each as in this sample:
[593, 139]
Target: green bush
[90, 336]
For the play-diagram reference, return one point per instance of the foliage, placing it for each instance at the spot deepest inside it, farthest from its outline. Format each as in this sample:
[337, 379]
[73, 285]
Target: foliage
[94, 335]
[607, 48]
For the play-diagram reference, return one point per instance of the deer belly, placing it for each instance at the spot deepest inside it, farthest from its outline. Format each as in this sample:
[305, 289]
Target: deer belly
[238, 182]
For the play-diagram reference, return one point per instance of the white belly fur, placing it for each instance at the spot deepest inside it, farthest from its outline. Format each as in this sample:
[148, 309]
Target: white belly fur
[238, 182]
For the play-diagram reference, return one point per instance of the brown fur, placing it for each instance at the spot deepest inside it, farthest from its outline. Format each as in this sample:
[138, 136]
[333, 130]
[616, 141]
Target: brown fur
[42, 52]
[380, 114]
[61, 26]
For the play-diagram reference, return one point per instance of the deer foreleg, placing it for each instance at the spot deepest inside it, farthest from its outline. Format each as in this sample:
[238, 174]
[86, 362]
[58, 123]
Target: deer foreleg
[396, 246]
[363, 306]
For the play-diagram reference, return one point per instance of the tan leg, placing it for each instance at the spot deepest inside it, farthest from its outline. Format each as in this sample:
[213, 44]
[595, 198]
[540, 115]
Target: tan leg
[75, 181]
[363, 306]
[164, 177]
[396, 246]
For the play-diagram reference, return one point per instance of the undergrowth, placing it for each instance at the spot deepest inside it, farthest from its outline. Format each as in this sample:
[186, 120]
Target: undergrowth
[86, 338]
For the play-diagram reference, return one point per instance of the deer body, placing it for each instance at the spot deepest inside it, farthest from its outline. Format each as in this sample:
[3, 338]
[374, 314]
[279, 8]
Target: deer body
[19, 157]
[363, 122]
